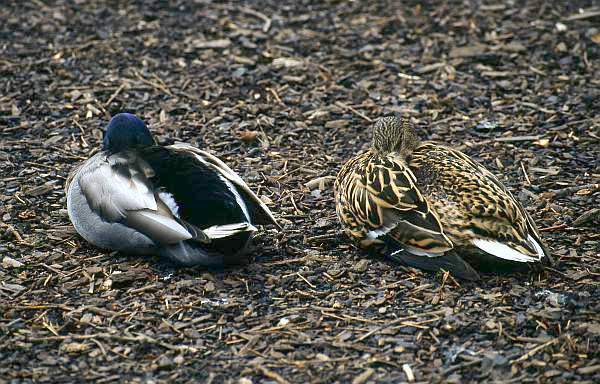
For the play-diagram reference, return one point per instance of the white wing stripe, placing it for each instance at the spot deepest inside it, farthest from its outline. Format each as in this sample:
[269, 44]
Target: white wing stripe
[537, 246]
[237, 195]
[169, 200]
[502, 251]
[222, 231]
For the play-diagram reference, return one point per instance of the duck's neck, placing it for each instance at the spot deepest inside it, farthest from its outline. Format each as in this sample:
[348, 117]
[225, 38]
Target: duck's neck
[403, 149]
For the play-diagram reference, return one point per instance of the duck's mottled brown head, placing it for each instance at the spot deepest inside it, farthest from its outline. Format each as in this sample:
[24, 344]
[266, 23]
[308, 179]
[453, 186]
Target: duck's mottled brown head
[394, 134]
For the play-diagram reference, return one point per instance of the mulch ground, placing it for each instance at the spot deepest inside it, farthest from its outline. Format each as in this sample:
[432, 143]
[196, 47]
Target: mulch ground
[285, 92]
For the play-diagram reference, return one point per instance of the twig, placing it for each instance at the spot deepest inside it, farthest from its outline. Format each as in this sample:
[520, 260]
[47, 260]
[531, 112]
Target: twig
[586, 217]
[509, 139]
[552, 228]
[99, 344]
[410, 376]
[534, 351]
[347, 317]
[583, 15]
[568, 190]
[306, 281]
[250, 11]
[535, 106]
[327, 236]
[359, 113]
[363, 377]
[260, 15]
[139, 339]
[154, 85]
[271, 375]
[460, 366]
[288, 261]
[400, 320]
[13, 231]
[142, 289]
[193, 322]
[276, 96]
[525, 174]
[115, 94]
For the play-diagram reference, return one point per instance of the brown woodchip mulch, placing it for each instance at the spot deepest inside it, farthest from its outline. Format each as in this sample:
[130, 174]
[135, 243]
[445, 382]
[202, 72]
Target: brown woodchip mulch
[285, 92]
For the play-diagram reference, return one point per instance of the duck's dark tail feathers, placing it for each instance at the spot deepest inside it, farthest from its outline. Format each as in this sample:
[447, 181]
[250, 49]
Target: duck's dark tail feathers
[187, 255]
[449, 262]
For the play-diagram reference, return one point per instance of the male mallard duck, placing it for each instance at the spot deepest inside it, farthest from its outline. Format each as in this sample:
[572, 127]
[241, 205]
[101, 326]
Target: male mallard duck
[432, 207]
[177, 201]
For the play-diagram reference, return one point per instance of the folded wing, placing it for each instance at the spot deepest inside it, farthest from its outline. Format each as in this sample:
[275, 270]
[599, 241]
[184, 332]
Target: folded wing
[259, 212]
[382, 199]
[118, 189]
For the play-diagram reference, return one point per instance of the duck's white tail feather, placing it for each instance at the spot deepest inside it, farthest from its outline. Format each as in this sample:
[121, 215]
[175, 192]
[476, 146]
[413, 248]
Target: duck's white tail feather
[221, 231]
[503, 251]
[537, 246]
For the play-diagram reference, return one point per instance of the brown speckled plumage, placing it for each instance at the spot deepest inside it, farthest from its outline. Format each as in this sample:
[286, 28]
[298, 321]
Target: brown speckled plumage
[430, 200]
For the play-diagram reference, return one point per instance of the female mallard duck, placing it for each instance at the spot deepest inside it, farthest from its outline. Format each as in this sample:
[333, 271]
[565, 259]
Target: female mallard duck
[177, 201]
[432, 207]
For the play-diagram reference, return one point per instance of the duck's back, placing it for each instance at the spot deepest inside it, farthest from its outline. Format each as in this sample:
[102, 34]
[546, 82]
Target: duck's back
[203, 196]
[200, 195]
[469, 200]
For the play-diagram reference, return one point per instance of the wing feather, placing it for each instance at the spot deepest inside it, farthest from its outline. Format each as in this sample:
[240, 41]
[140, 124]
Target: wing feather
[377, 199]
[259, 211]
[477, 208]
[118, 190]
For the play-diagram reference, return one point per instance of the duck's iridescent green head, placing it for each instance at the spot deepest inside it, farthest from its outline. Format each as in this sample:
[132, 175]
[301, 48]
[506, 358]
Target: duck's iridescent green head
[126, 131]
[394, 134]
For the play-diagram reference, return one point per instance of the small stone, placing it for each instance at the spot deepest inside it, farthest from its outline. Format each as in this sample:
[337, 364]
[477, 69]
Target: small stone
[164, 361]
[322, 357]
[552, 373]
[74, 347]
[337, 124]
[248, 137]
[560, 47]
[487, 125]
[287, 62]
[410, 376]
[209, 286]
[361, 266]
[9, 262]
[556, 299]
[283, 322]
[589, 370]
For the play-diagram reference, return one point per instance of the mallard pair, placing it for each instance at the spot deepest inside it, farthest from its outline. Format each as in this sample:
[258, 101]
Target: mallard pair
[432, 207]
[421, 204]
[175, 201]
